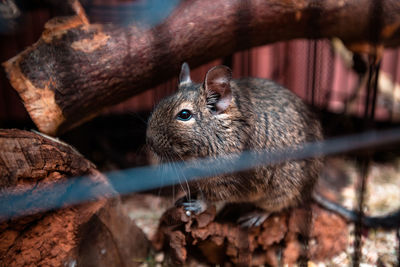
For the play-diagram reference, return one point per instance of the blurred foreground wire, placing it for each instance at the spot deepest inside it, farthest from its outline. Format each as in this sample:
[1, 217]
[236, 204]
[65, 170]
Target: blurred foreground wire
[77, 190]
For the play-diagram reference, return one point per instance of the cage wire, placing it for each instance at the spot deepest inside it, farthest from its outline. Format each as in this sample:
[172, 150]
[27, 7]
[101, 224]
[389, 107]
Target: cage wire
[395, 73]
[151, 177]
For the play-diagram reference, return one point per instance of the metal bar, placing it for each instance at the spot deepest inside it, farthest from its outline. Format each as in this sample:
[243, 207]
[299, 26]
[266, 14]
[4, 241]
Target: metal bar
[375, 90]
[365, 163]
[313, 78]
[368, 96]
[398, 246]
[394, 80]
[369, 114]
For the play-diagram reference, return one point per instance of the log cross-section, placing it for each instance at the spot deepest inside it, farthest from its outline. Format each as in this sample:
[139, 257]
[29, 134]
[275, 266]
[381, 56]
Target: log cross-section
[98, 233]
[76, 69]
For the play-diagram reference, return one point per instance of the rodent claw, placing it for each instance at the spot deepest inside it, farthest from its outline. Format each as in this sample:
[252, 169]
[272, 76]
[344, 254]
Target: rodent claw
[252, 219]
[191, 206]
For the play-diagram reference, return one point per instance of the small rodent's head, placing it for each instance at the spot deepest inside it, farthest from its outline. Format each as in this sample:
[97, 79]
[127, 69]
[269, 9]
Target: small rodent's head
[197, 120]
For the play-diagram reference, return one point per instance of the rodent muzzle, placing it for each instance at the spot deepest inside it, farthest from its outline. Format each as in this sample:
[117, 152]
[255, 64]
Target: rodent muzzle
[159, 144]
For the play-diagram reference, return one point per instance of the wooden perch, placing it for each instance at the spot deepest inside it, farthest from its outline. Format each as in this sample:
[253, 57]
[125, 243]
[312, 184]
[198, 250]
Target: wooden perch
[76, 69]
[222, 242]
[92, 234]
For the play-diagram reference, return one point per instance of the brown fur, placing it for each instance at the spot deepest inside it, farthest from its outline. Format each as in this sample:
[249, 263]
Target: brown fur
[261, 115]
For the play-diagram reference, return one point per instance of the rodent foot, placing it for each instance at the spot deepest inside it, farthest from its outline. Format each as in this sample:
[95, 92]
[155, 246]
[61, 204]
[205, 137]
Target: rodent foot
[191, 206]
[252, 219]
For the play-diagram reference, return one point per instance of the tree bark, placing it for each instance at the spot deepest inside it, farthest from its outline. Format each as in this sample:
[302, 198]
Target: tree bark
[92, 234]
[224, 242]
[76, 69]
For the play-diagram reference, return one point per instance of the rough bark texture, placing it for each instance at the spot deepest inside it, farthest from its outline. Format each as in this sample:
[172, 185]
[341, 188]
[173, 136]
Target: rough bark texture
[76, 69]
[224, 242]
[92, 234]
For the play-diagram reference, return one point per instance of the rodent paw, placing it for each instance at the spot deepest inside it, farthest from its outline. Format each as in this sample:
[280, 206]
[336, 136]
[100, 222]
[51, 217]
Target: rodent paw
[193, 206]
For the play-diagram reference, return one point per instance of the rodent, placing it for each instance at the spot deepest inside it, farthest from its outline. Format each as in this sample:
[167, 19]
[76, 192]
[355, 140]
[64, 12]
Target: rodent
[223, 116]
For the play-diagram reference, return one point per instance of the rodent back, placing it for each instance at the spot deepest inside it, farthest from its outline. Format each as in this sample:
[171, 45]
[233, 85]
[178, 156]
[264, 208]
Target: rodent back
[279, 118]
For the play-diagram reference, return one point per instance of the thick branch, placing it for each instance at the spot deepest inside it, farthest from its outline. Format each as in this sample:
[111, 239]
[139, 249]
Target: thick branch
[31, 163]
[76, 69]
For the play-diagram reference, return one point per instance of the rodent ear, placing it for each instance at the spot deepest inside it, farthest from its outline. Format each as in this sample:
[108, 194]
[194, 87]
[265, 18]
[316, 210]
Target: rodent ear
[184, 76]
[217, 82]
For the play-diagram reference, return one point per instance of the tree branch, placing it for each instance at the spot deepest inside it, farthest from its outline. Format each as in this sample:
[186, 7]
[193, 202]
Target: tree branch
[76, 69]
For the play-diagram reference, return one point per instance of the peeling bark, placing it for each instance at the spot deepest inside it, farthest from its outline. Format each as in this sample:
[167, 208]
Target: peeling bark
[225, 242]
[76, 69]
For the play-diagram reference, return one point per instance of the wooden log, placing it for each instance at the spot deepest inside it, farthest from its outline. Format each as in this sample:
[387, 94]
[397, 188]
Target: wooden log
[97, 233]
[76, 69]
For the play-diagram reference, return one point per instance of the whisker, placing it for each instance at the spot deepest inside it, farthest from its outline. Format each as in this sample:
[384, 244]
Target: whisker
[175, 169]
[173, 186]
[162, 180]
[186, 181]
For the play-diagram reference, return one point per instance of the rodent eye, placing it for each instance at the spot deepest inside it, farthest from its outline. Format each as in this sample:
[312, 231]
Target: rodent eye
[184, 115]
